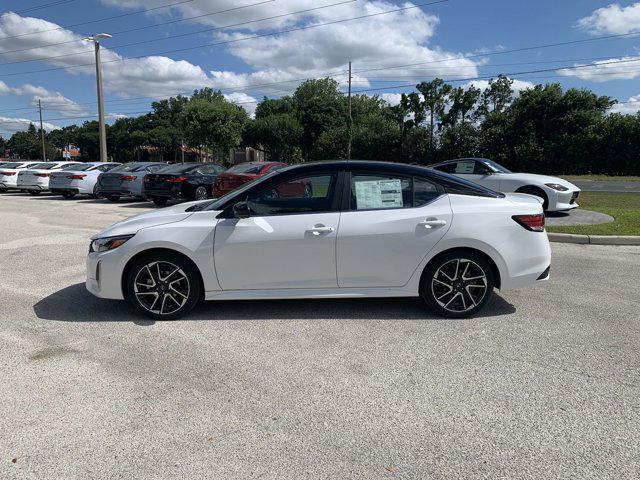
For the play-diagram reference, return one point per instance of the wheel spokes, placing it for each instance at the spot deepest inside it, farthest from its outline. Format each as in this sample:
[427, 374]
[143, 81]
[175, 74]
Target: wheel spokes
[459, 285]
[161, 287]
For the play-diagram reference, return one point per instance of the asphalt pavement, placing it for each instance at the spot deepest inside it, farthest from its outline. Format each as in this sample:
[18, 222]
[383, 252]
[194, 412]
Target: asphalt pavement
[607, 186]
[544, 384]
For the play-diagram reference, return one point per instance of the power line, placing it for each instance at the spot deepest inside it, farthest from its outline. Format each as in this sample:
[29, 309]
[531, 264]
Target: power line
[40, 7]
[121, 15]
[236, 40]
[180, 35]
[144, 27]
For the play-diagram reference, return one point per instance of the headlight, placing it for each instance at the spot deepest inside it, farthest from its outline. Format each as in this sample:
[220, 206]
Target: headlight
[108, 243]
[556, 186]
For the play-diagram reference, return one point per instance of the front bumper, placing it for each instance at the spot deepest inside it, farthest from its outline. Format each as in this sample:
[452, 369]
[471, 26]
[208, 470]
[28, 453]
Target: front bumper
[104, 273]
[564, 200]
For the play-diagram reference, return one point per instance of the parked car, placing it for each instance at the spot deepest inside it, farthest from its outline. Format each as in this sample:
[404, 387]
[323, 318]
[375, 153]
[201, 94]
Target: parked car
[35, 180]
[242, 173]
[182, 181]
[81, 180]
[556, 194]
[370, 229]
[9, 174]
[126, 180]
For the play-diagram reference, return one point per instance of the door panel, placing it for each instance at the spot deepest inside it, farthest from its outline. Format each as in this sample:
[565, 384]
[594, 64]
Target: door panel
[382, 248]
[275, 252]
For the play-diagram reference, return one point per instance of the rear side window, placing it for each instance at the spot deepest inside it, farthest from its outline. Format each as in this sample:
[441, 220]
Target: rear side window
[380, 192]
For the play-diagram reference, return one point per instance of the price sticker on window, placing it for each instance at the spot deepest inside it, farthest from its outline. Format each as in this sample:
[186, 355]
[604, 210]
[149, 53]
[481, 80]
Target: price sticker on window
[379, 194]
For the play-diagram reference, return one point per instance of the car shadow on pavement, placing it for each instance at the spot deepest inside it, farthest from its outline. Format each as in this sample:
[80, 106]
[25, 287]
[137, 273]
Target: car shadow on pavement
[557, 214]
[75, 304]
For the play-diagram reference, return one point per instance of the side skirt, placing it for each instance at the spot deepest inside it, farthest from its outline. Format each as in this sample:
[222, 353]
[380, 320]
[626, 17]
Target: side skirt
[309, 293]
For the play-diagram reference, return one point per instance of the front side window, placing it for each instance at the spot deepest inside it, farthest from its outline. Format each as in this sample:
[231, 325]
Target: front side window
[379, 192]
[309, 194]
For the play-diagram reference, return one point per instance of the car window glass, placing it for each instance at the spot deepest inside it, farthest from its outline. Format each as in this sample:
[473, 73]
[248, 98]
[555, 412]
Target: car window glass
[372, 192]
[79, 168]
[104, 168]
[246, 168]
[274, 168]
[154, 168]
[207, 169]
[423, 192]
[313, 193]
[178, 168]
[465, 167]
[446, 168]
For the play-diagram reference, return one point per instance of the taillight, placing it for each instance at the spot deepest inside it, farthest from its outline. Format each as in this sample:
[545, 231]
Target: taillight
[177, 180]
[533, 223]
[42, 174]
[76, 177]
[8, 174]
[128, 178]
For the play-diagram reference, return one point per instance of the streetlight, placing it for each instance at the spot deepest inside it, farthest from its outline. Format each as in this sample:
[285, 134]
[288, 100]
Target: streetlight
[103, 134]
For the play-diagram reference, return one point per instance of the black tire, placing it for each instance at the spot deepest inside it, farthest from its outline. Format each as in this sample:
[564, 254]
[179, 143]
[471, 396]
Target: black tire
[138, 277]
[95, 193]
[160, 201]
[113, 198]
[457, 298]
[537, 192]
[68, 195]
[34, 192]
[308, 191]
[201, 193]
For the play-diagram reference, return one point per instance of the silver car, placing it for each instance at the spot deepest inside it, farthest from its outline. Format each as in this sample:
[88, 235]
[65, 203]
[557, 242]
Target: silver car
[126, 180]
[82, 180]
[35, 180]
[9, 173]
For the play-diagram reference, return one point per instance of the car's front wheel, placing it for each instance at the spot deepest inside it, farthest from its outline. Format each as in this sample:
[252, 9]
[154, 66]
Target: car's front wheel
[457, 284]
[34, 192]
[201, 193]
[163, 286]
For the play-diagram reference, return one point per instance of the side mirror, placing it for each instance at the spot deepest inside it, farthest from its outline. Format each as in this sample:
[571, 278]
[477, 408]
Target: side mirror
[486, 171]
[241, 210]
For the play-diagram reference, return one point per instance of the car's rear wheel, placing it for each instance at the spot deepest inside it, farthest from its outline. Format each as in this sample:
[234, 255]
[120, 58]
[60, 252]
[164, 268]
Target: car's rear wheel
[68, 194]
[536, 192]
[201, 193]
[457, 284]
[34, 192]
[113, 198]
[95, 193]
[163, 286]
[160, 201]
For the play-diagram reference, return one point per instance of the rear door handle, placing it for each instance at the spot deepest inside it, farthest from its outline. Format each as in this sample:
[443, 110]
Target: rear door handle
[433, 223]
[320, 229]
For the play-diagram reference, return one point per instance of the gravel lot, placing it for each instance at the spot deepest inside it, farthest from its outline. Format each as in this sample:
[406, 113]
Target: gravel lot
[544, 385]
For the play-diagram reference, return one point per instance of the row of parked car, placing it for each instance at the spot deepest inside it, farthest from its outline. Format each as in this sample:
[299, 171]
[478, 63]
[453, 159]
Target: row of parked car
[155, 181]
[161, 182]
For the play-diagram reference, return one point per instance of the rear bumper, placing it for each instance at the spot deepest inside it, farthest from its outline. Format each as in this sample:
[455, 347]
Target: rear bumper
[62, 190]
[32, 187]
[123, 192]
[171, 194]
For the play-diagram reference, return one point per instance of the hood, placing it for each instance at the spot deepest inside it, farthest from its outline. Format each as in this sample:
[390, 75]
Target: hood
[542, 179]
[133, 225]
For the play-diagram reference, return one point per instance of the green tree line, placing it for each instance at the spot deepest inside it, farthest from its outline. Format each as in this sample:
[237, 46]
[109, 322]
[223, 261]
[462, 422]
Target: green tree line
[544, 129]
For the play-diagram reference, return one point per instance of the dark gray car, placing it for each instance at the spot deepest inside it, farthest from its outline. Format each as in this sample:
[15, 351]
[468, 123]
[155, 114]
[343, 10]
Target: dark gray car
[126, 180]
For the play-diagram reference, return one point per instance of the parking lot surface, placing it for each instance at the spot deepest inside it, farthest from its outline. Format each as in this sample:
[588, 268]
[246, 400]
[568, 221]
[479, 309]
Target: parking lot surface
[544, 384]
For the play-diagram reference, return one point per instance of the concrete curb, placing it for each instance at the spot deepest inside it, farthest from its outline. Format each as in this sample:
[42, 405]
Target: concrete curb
[593, 239]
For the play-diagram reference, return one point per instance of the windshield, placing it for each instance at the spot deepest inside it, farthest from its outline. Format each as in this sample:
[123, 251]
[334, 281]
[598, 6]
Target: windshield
[246, 168]
[179, 168]
[496, 167]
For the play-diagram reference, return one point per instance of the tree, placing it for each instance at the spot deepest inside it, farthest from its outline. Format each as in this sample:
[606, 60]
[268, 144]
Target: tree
[435, 95]
[463, 103]
[26, 144]
[212, 121]
[496, 96]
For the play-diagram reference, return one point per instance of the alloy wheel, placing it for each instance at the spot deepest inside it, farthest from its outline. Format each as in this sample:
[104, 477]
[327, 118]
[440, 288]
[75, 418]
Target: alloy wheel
[201, 193]
[459, 285]
[161, 288]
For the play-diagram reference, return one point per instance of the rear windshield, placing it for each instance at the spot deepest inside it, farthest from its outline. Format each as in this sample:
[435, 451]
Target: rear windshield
[75, 166]
[81, 168]
[10, 165]
[246, 168]
[42, 166]
[128, 167]
[179, 168]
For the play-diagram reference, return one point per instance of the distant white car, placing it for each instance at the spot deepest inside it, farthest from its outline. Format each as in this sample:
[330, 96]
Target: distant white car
[35, 180]
[82, 180]
[9, 174]
[556, 194]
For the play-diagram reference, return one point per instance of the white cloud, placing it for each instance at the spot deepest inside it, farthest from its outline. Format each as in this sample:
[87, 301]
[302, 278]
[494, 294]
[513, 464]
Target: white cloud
[627, 68]
[50, 100]
[612, 19]
[245, 101]
[631, 106]
[391, 98]
[13, 125]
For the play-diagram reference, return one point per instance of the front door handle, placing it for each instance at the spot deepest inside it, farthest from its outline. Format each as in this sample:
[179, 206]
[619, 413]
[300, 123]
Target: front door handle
[433, 223]
[320, 229]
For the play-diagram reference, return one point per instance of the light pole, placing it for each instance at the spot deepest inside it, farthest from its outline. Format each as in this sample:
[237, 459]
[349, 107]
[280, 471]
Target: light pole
[103, 134]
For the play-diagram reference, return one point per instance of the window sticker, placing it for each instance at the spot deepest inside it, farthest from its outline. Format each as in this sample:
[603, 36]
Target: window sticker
[464, 167]
[379, 194]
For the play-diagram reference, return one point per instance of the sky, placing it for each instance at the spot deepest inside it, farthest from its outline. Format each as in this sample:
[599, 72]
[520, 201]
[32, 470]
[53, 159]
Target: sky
[253, 48]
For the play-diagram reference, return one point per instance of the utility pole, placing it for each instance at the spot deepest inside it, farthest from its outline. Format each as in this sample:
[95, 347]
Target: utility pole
[103, 132]
[182, 150]
[350, 120]
[44, 149]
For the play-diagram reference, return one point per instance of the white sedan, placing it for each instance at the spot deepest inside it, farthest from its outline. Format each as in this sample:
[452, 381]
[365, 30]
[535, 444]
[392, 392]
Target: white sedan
[9, 174]
[327, 230]
[80, 180]
[35, 179]
[556, 194]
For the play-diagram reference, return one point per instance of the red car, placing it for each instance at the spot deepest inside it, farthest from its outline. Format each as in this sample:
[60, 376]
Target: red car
[240, 174]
